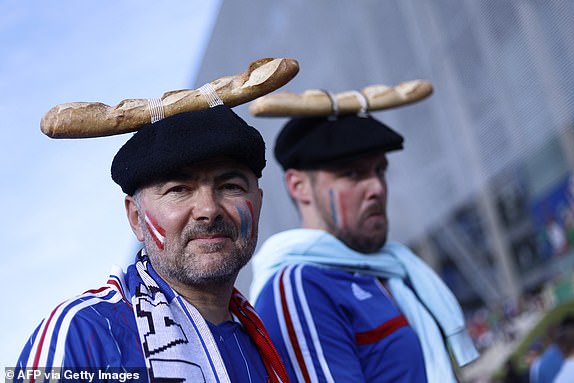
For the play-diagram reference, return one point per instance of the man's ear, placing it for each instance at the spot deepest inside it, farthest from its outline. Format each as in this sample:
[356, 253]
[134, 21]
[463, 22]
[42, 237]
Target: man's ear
[133, 217]
[298, 184]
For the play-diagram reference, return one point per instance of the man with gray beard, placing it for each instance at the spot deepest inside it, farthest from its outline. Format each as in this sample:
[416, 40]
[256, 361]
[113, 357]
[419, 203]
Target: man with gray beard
[193, 200]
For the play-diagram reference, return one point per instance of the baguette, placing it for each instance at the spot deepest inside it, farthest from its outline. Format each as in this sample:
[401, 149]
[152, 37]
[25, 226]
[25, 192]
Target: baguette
[316, 102]
[95, 119]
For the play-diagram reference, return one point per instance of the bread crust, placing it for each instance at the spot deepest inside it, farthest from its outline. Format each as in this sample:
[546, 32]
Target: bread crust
[95, 119]
[316, 102]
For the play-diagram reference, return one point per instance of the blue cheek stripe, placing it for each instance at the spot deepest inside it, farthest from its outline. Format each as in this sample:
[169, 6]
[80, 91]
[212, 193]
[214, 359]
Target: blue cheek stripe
[332, 206]
[244, 222]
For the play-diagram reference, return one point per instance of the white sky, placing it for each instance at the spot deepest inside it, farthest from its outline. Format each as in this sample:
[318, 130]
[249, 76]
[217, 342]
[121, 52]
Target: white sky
[64, 224]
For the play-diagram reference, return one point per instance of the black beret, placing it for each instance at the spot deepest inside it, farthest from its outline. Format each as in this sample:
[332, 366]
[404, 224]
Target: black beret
[157, 150]
[312, 142]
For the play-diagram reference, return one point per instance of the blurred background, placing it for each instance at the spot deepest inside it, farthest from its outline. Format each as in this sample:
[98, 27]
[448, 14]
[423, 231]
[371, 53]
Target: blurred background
[483, 190]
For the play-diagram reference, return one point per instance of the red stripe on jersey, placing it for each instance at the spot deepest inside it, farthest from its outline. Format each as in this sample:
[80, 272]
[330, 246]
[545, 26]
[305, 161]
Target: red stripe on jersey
[291, 330]
[41, 342]
[45, 330]
[95, 291]
[114, 282]
[382, 331]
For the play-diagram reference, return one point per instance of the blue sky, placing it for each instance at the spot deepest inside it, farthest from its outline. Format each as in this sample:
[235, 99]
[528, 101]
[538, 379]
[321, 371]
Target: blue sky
[63, 223]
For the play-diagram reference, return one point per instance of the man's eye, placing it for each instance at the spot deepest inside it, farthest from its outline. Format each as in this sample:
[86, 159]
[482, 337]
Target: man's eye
[177, 189]
[351, 173]
[232, 187]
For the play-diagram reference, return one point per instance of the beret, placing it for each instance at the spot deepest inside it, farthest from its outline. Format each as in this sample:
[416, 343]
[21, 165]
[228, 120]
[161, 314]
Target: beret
[312, 142]
[157, 150]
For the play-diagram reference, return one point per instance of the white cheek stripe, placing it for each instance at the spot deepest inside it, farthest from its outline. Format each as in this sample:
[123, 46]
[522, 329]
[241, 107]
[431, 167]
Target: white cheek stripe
[154, 231]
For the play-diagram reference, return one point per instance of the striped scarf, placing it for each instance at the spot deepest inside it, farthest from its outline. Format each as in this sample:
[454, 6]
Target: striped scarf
[176, 340]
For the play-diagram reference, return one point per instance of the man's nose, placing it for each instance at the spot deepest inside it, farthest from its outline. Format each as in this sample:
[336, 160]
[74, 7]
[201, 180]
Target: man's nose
[376, 187]
[206, 205]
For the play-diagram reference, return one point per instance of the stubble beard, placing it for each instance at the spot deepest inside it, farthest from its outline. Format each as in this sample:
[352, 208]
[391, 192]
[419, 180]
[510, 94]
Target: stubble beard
[212, 265]
[355, 237]
[360, 242]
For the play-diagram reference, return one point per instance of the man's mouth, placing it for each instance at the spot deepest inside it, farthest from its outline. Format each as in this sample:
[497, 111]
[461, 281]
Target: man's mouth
[216, 233]
[210, 238]
[375, 217]
[374, 212]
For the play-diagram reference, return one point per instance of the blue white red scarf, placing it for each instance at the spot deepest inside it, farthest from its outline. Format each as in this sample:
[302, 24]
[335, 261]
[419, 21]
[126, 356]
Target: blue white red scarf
[176, 340]
[430, 307]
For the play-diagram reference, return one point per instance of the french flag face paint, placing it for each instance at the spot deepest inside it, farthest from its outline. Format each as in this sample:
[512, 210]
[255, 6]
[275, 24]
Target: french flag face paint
[338, 208]
[157, 232]
[247, 220]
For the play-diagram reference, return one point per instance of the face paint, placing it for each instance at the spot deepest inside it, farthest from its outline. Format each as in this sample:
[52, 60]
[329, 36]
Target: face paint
[250, 206]
[342, 209]
[338, 208]
[247, 221]
[156, 231]
[333, 207]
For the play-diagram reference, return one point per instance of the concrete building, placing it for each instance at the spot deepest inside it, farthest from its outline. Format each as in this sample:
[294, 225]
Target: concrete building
[483, 189]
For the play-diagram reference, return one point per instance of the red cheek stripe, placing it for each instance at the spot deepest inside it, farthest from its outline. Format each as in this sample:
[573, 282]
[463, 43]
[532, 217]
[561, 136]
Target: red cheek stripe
[291, 329]
[342, 209]
[250, 206]
[156, 231]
